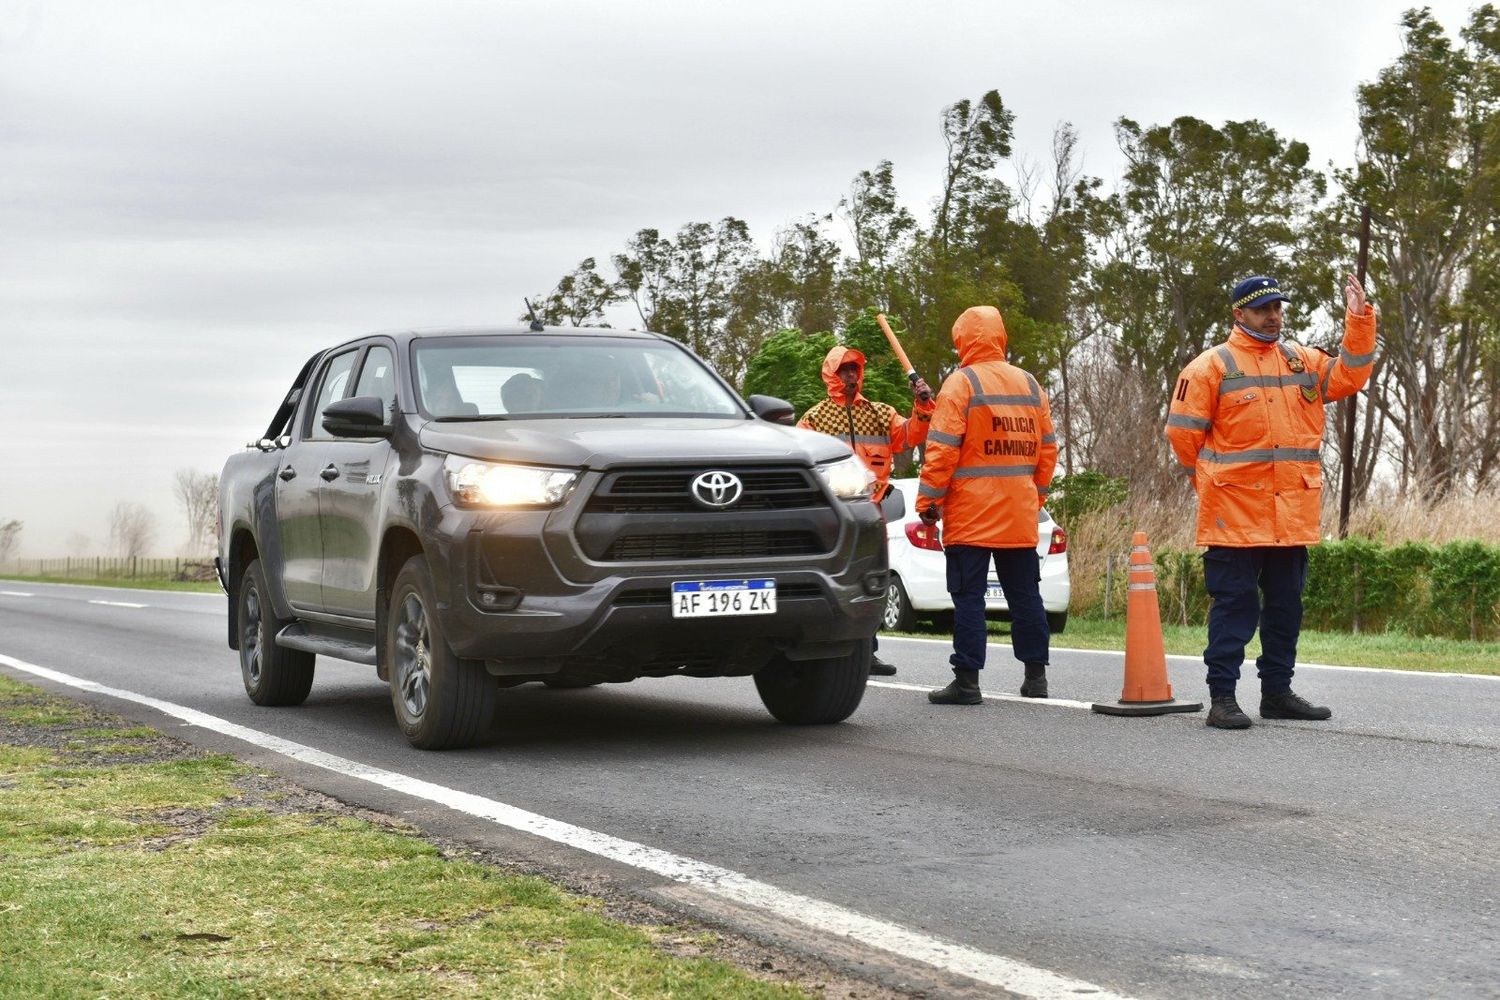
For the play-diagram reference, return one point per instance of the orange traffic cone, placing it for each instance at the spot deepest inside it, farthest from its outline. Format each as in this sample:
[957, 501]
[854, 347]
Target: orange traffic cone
[1146, 689]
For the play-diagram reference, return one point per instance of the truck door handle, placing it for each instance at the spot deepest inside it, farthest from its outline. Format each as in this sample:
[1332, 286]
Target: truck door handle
[287, 474]
[330, 473]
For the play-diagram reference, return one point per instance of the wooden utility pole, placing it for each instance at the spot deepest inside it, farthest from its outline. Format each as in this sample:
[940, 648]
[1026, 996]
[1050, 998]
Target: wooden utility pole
[1351, 404]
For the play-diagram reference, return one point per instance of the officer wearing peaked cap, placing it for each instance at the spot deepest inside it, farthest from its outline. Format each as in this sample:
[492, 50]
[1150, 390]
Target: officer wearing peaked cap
[1246, 424]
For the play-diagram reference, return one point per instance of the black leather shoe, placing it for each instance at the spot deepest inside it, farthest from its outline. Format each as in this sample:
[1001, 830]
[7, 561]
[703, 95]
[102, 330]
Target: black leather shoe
[1225, 713]
[1289, 705]
[880, 668]
[1034, 686]
[963, 691]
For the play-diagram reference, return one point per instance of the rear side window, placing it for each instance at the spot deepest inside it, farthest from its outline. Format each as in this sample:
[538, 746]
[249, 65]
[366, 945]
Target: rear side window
[333, 385]
[377, 377]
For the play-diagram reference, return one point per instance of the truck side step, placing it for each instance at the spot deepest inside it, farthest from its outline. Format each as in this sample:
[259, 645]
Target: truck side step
[329, 640]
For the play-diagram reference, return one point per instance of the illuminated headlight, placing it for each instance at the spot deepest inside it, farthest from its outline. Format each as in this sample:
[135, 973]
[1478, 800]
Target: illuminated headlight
[849, 479]
[484, 484]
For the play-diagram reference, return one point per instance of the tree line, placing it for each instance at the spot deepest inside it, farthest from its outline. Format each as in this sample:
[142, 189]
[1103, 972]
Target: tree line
[1107, 294]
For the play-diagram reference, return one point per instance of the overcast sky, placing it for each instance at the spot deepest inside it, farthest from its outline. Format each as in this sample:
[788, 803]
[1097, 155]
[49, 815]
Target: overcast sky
[195, 196]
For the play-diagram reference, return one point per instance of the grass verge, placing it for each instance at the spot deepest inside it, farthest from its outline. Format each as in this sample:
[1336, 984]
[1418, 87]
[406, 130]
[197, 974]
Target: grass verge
[155, 583]
[136, 865]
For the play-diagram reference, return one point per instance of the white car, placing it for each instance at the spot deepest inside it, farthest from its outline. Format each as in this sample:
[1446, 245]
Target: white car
[918, 586]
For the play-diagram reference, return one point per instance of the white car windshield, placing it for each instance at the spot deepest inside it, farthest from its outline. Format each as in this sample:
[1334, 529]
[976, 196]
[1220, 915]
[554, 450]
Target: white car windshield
[528, 377]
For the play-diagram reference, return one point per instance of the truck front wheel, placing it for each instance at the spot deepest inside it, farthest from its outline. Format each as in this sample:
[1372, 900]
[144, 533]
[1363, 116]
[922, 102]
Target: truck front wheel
[442, 701]
[815, 692]
[272, 675]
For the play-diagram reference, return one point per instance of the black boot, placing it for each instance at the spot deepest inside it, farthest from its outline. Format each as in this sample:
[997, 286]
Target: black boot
[880, 668]
[1287, 705]
[1035, 684]
[963, 691]
[1225, 713]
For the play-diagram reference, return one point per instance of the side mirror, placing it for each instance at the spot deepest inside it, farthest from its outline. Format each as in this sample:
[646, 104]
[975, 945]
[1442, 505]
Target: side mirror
[777, 411]
[356, 417]
[893, 505]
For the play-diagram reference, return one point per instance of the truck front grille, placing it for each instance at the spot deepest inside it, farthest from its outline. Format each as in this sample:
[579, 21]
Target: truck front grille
[649, 515]
[667, 491]
[713, 545]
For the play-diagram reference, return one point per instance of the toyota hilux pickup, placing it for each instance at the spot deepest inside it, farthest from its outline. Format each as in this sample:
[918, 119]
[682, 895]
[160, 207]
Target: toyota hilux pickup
[467, 511]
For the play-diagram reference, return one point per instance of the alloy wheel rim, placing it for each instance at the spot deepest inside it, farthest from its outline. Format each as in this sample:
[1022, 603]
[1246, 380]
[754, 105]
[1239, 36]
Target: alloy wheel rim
[892, 606]
[413, 656]
[253, 639]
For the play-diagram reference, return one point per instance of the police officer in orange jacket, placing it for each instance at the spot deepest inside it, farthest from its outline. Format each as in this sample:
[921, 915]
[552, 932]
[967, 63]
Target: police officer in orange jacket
[873, 430]
[989, 461]
[1246, 423]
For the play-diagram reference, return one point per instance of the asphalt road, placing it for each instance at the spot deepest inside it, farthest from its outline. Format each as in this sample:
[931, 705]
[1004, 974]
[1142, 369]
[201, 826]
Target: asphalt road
[1146, 857]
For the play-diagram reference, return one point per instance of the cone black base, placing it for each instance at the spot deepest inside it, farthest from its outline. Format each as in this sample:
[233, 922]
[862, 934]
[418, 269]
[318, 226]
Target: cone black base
[1147, 707]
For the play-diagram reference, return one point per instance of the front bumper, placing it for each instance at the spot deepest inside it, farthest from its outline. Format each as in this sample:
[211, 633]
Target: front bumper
[522, 595]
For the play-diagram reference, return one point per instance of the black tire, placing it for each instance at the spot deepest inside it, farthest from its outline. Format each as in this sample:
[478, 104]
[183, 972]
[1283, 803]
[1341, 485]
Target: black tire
[1057, 621]
[814, 692]
[272, 675]
[442, 701]
[899, 615]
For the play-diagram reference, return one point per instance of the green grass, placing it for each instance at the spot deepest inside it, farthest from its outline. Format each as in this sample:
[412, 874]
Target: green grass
[153, 583]
[1387, 650]
[161, 873]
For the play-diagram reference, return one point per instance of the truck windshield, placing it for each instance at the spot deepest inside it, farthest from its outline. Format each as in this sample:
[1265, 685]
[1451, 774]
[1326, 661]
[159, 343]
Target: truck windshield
[523, 377]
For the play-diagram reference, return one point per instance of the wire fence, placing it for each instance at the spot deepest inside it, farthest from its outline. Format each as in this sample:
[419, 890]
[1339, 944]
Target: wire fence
[116, 568]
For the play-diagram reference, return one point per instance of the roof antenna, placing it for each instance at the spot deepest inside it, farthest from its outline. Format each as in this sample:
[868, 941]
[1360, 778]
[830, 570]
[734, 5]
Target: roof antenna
[536, 324]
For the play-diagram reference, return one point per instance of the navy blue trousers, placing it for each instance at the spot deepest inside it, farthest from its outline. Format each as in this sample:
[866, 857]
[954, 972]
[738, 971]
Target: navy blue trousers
[1253, 587]
[1019, 571]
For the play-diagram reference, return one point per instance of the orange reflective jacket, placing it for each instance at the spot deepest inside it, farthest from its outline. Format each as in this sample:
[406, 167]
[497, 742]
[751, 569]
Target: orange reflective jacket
[1247, 422]
[875, 431]
[991, 450]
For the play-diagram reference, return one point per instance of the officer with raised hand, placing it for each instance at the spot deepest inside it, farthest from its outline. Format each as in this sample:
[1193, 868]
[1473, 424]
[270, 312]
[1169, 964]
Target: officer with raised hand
[1246, 423]
[990, 457]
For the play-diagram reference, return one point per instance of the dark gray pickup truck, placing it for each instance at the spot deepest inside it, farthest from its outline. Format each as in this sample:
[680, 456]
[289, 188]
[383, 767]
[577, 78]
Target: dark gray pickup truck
[472, 510]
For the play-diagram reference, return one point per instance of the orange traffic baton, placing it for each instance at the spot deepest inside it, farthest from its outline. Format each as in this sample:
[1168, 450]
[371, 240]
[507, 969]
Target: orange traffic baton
[1146, 689]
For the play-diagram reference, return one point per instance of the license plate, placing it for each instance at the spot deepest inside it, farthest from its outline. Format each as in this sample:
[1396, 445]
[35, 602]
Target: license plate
[723, 598]
[992, 592]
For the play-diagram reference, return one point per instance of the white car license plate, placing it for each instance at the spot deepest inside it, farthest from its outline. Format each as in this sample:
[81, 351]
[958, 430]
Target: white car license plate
[723, 598]
[992, 592]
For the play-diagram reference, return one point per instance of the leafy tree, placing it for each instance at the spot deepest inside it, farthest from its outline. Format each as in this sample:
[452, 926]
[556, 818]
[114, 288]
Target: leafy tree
[579, 298]
[1430, 170]
[789, 365]
[1200, 208]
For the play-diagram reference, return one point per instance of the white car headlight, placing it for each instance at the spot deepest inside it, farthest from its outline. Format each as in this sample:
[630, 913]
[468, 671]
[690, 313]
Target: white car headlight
[488, 484]
[849, 478]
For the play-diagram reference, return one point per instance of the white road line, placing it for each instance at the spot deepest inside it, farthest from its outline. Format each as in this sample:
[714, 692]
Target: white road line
[995, 970]
[218, 594]
[1199, 659]
[15, 593]
[119, 604]
[997, 696]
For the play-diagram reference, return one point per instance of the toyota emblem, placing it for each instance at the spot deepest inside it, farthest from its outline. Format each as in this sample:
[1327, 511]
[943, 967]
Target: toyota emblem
[717, 489]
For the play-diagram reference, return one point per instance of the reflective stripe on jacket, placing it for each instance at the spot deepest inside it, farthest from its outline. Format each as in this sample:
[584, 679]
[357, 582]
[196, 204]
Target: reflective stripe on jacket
[875, 431]
[1247, 422]
[991, 451]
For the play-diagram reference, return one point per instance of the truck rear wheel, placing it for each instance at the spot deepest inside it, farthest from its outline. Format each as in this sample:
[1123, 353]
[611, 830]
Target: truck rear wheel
[815, 692]
[272, 675]
[442, 701]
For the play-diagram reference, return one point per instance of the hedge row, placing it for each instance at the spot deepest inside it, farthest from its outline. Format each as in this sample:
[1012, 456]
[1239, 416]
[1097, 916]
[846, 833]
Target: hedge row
[1358, 585]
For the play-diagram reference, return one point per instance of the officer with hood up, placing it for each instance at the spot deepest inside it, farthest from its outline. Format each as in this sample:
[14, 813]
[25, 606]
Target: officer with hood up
[990, 456]
[875, 431]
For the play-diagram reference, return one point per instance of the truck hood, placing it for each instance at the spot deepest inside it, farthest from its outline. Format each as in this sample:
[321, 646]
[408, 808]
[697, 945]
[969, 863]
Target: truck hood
[601, 443]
